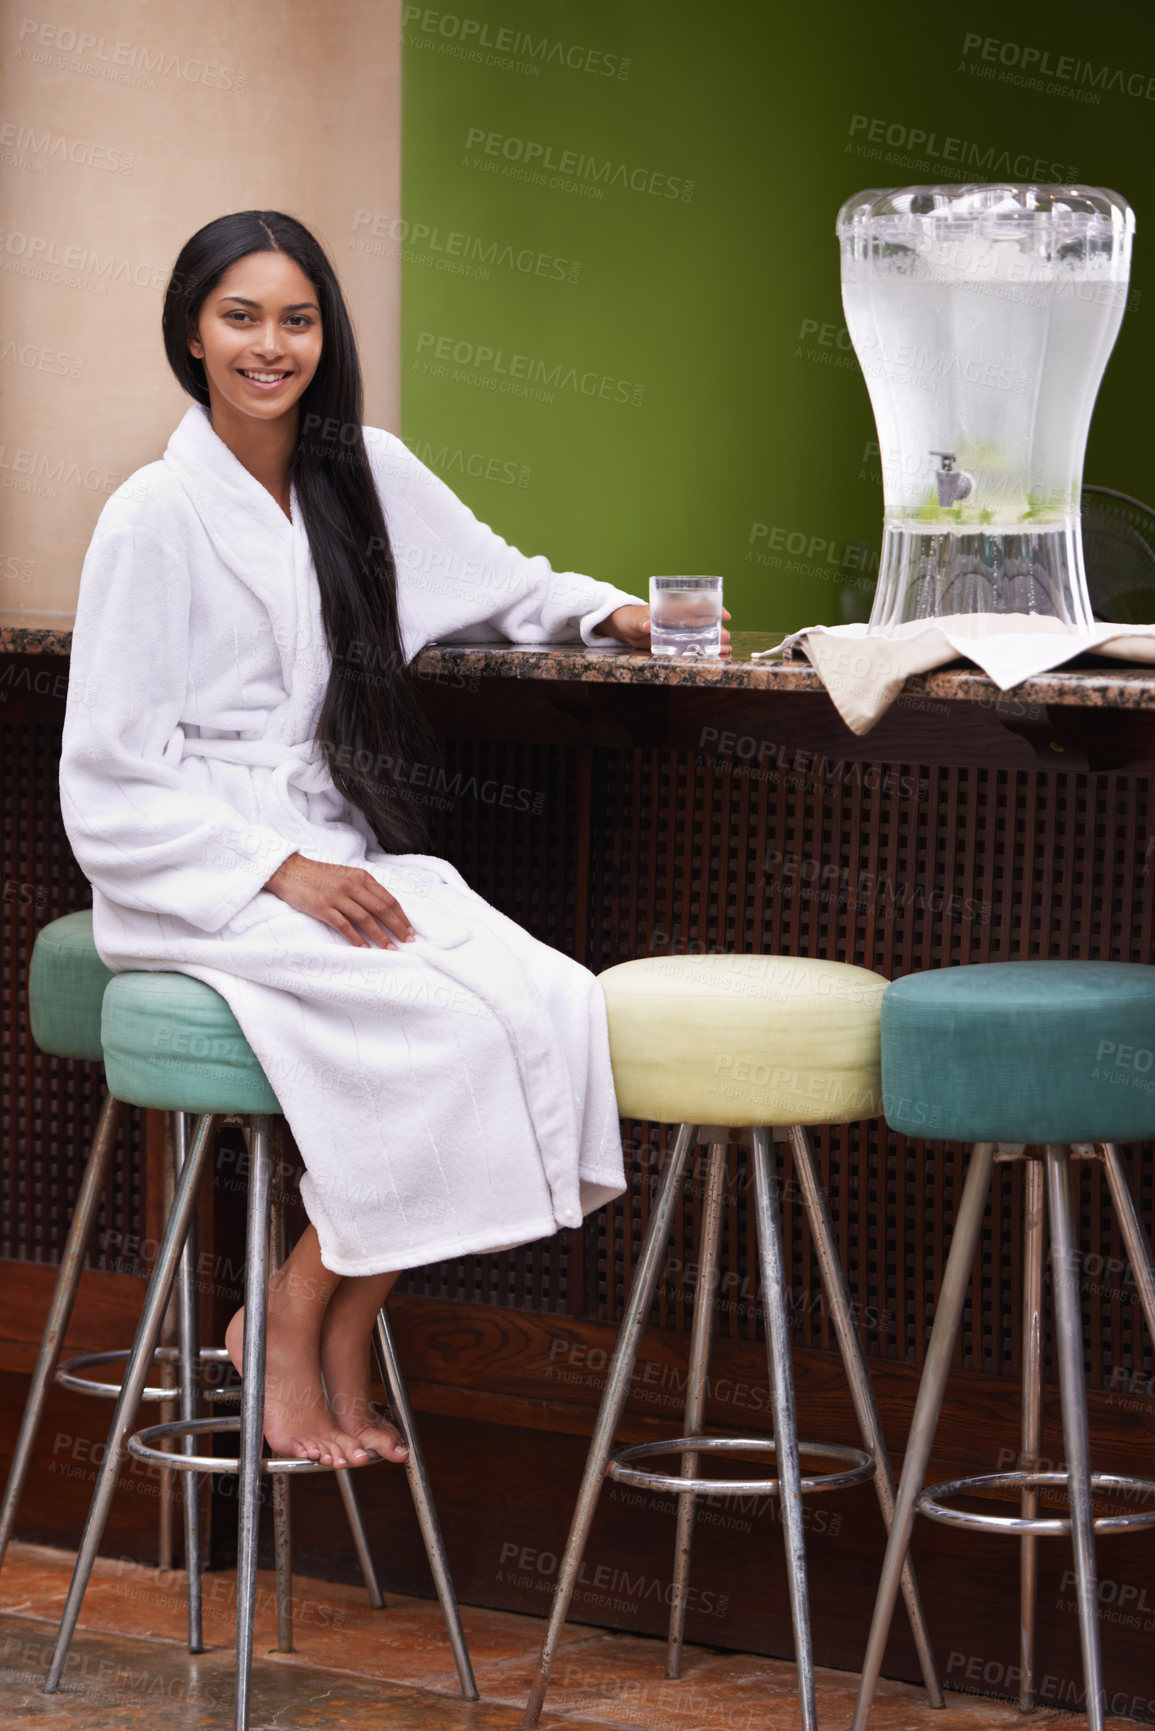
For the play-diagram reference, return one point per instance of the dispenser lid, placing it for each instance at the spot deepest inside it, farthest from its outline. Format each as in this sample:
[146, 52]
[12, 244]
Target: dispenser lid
[933, 211]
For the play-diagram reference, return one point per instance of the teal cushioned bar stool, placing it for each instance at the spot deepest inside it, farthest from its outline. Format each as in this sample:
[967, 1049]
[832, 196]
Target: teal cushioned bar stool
[764, 1045]
[66, 986]
[66, 981]
[170, 1042]
[1035, 1062]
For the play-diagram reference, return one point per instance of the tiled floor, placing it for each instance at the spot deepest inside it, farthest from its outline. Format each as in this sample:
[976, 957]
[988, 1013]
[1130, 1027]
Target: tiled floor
[129, 1670]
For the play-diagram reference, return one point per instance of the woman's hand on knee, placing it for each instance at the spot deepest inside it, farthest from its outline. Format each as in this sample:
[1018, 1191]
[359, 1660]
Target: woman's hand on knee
[347, 898]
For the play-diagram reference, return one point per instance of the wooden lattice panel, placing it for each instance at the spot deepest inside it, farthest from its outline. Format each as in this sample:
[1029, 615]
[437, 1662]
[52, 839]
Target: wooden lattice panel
[48, 1106]
[890, 866]
[609, 853]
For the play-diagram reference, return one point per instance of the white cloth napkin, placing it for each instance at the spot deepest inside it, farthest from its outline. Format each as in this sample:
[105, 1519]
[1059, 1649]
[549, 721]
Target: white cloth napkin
[864, 671]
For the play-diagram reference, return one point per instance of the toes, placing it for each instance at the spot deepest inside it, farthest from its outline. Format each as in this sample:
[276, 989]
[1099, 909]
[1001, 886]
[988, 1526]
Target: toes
[388, 1440]
[388, 1443]
[355, 1451]
[398, 1447]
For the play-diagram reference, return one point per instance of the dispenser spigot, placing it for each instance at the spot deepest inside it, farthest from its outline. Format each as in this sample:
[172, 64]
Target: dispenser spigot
[953, 484]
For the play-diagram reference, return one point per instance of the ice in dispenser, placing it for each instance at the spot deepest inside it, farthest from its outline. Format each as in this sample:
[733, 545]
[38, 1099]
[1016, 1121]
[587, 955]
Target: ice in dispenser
[982, 317]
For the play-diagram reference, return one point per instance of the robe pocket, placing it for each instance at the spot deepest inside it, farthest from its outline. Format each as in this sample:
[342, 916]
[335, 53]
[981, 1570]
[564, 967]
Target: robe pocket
[263, 907]
[417, 893]
[444, 931]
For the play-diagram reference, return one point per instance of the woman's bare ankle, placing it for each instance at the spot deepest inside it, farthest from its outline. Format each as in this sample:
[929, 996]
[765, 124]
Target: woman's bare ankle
[298, 1419]
[344, 1354]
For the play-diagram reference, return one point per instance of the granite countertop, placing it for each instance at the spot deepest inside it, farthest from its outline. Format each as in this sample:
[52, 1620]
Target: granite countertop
[1090, 682]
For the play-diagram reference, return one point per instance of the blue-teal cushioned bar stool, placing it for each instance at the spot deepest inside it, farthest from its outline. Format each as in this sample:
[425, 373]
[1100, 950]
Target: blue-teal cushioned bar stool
[1015, 1057]
[170, 1042]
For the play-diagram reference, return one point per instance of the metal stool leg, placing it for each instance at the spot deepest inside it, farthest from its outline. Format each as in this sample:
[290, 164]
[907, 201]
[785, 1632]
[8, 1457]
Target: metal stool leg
[932, 1386]
[135, 1377]
[696, 1397]
[169, 1371]
[1076, 1440]
[1130, 1227]
[282, 1495]
[360, 1540]
[391, 1376]
[858, 1377]
[1032, 1422]
[172, 1370]
[188, 1318]
[782, 1401]
[617, 1387]
[60, 1310]
[252, 1406]
[283, 1553]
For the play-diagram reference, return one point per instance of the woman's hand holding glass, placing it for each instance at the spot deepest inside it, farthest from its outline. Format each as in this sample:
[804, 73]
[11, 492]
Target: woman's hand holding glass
[631, 625]
[628, 624]
[345, 897]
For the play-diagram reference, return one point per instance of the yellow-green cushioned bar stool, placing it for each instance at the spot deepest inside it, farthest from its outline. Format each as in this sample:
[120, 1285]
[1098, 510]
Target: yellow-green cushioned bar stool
[768, 1044]
[1034, 1062]
[66, 981]
[172, 1043]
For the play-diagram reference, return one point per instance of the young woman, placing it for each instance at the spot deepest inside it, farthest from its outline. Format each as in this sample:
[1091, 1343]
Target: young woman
[240, 737]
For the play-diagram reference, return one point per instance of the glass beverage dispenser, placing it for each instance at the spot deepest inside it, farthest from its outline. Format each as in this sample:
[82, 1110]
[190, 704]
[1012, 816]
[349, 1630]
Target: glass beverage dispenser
[982, 317]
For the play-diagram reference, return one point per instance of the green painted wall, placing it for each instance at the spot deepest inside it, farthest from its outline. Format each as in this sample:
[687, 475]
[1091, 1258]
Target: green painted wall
[623, 341]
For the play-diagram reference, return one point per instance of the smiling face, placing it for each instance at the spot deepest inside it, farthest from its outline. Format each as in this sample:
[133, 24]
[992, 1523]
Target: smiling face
[259, 336]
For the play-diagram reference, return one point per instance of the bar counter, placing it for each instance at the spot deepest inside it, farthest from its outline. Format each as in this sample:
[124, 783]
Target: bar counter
[1092, 683]
[617, 806]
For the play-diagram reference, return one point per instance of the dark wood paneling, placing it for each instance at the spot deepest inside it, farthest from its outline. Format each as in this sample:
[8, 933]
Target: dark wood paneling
[1008, 732]
[645, 829]
[104, 1303]
[69, 1449]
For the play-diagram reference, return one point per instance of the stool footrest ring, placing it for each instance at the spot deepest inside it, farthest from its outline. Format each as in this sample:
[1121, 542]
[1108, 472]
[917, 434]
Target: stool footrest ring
[142, 1445]
[67, 1376]
[860, 1465]
[930, 1504]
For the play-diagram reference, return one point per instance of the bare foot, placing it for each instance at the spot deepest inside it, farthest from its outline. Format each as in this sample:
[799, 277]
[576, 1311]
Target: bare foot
[345, 1366]
[298, 1419]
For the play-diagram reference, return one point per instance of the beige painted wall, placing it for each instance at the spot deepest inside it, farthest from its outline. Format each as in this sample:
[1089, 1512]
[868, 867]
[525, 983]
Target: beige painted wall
[124, 127]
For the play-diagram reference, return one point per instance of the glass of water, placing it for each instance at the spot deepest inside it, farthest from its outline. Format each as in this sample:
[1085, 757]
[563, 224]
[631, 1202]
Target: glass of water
[685, 616]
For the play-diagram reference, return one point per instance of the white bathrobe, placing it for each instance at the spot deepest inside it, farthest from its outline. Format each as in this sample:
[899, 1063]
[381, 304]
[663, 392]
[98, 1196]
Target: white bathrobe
[449, 1096]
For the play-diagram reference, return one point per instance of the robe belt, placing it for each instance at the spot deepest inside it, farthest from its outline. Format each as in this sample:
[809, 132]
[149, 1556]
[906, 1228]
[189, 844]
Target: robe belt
[310, 773]
[291, 765]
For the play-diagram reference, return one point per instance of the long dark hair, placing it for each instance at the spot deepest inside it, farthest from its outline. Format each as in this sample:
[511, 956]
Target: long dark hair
[371, 726]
